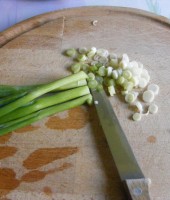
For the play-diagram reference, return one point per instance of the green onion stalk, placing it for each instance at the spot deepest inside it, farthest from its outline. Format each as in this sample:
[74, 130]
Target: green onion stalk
[45, 113]
[41, 90]
[10, 90]
[44, 102]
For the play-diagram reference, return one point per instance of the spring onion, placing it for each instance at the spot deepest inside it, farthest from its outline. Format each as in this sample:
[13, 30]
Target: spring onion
[6, 90]
[45, 113]
[44, 102]
[10, 98]
[40, 91]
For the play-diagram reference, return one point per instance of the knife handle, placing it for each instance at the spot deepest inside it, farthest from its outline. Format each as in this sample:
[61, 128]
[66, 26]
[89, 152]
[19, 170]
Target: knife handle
[138, 189]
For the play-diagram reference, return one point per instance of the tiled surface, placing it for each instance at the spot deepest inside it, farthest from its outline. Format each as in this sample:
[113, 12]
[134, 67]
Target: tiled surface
[13, 11]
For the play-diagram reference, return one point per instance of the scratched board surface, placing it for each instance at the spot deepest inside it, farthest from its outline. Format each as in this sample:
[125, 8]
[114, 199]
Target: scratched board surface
[66, 156]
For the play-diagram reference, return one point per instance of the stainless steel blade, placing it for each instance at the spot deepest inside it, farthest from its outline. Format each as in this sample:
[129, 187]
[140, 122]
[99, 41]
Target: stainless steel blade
[123, 156]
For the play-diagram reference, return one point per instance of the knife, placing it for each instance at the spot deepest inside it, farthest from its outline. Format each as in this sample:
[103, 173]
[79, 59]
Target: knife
[135, 184]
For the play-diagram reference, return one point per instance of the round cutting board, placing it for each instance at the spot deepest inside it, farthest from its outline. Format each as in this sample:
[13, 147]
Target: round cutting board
[66, 156]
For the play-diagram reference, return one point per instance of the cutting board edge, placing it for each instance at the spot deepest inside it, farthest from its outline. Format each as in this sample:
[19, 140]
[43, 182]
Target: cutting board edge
[36, 21]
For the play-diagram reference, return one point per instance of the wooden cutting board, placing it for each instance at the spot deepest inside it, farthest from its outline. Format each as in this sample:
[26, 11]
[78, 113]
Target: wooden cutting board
[66, 156]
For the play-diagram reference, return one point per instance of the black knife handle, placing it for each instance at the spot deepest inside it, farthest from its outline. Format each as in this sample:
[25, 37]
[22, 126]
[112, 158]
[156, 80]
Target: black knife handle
[138, 189]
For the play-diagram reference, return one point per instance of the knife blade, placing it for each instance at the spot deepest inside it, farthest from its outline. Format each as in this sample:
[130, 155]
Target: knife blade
[136, 185]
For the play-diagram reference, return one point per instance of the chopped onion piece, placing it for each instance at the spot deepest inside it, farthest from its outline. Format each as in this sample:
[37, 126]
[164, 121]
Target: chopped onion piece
[153, 108]
[92, 84]
[111, 90]
[130, 97]
[135, 80]
[134, 64]
[125, 58]
[148, 96]
[103, 60]
[111, 82]
[127, 74]
[84, 67]
[94, 62]
[94, 23]
[102, 52]
[135, 93]
[71, 52]
[136, 71]
[91, 76]
[94, 49]
[96, 57]
[154, 88]
[115, 74]
[81, 57]
[128, 85]
[113, 56]
[114, 62]
[82, 50]
[123, 64]
[76, 67]
[145, 75]
[139, 106]
[121, 80]
[142, 83]
[137, 116]
[90, 54]
[124, 92]
[120, 71]
[109, 71]
[102, 71]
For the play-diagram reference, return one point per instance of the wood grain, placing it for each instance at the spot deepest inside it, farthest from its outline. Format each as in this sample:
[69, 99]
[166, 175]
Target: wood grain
[31, 53]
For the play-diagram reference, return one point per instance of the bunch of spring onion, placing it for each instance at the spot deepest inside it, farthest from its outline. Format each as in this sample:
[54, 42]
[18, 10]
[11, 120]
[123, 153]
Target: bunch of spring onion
[23, 105]
[117, 74]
